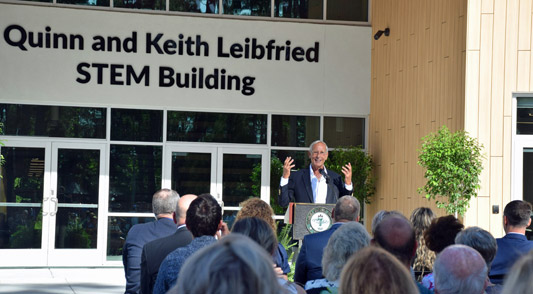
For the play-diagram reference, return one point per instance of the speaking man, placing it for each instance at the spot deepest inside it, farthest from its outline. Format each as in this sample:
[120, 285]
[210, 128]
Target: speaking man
[314, 184]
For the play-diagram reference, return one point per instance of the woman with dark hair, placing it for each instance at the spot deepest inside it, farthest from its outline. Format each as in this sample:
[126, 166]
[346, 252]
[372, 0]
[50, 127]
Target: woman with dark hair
[440, 234]
[255, 207]
[261, 232]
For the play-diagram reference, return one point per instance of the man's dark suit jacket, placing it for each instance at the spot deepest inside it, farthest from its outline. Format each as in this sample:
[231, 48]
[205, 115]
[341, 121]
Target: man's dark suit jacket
[299, 188]
[154, 253]
[510, 248]
[309, 262]
[139, 235]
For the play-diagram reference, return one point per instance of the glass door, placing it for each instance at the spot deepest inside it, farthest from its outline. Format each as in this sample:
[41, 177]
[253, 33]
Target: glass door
[242, 173]
[232, 175]
[77, 185]
[24, 205]
[522, 173]
[49, 204]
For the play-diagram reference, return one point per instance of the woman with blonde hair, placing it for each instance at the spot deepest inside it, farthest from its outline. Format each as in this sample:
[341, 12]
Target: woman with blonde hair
[255, 207]
[373, 270]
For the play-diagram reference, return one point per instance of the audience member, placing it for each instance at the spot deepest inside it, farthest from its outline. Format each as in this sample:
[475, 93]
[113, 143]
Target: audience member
[460, 269]
[440, 234]
[421, 220]
[309, 262]
[372, 270]
[235, 265]
[204, 219]
[163, 206]
[261, 232]
[520, 277]
[155, 251]
[396, 235]
[485, 244]
[380, 215]
[516, 218]
[255, 207]
[344, 242]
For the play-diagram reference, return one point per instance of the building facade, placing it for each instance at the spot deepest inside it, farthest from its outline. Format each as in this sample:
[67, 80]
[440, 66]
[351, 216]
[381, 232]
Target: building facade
[464, 64]
[102, 104]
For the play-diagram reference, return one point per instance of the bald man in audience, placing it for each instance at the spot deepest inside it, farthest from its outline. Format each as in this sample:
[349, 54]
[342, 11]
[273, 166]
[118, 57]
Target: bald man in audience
[396, 235]
[309, 261]
[154, 252]
[460, 269]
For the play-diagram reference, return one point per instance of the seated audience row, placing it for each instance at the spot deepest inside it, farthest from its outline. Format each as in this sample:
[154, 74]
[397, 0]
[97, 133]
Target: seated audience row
[200, 255]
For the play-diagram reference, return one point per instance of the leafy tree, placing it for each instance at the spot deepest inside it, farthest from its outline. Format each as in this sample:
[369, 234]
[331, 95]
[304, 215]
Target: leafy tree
[362, 164]
[453, 163]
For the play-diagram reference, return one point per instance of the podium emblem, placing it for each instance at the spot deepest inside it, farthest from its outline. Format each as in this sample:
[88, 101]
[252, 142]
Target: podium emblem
[318, 220]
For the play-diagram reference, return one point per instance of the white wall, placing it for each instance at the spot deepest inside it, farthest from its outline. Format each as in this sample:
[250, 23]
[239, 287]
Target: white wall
[338, 84]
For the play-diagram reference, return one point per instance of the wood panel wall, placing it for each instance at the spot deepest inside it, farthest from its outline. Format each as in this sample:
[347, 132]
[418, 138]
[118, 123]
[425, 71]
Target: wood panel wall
[418, 85]
[499, 62]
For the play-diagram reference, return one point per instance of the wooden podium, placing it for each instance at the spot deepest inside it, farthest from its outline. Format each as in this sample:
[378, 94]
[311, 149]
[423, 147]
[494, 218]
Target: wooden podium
[308, 218]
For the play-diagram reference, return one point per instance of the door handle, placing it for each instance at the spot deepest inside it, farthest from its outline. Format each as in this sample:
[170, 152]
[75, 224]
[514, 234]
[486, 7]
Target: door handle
[54, 200]
[44, 201]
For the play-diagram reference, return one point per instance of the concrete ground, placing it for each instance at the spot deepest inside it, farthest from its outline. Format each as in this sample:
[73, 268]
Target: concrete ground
[62, 280]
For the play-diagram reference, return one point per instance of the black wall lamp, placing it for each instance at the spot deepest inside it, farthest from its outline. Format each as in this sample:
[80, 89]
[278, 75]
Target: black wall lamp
[381, 32]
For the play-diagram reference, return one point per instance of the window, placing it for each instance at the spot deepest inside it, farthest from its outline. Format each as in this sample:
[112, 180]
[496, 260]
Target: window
[117, 231]
[141, 4]
[191, 172]
[238, 183]
[291, 136]
[136, 125]
[102, 3]
[344, 131]
[53, 121]
[216, 127]
[524, 116]
[134, 176]
[349, 10]
[305, 9]
[206, 6]
[247, 7]
[295, 131]
[337, 10]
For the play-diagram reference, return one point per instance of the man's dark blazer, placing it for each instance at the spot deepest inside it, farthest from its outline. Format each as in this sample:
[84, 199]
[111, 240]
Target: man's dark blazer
[154, 253]
[510, 248]
[309, 262]
[299, 188]
[139, 235]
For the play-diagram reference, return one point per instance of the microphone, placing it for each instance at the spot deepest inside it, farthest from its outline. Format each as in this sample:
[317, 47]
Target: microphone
[324, 174]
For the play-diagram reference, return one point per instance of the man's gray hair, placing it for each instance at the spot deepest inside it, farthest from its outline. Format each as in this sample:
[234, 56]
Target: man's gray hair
[480, 240]
[316, 142]
[164, 201]
[344, 242]
[381, 215]
[459, 269]
[347, 208]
